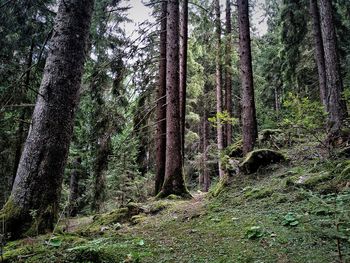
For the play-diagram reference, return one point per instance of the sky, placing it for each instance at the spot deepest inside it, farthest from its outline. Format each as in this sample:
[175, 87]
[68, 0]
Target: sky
[138, 13]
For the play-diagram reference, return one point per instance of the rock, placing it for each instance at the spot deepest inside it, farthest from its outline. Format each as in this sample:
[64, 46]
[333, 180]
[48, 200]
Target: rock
[260, 158]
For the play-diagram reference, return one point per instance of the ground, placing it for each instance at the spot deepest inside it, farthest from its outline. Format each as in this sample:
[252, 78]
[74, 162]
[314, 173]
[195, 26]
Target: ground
[297, 211]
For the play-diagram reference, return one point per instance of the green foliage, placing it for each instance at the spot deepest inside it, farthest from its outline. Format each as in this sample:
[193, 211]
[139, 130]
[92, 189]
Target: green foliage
[254, 232]
[290, 220]
[223, 118]
[303, 113]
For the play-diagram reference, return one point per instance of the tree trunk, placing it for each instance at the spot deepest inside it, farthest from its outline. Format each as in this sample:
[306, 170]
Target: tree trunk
[319, 51]
[183, 70]
[228, 77]
[22, 130]
[249, 124]
[220, 137]
[161, 105]
[336, 105]
[174, 181]
[205, 126]
[33, 205]
[74, 187]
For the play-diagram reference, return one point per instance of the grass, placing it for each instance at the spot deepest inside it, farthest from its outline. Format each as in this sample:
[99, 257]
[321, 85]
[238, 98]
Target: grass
[221, 229]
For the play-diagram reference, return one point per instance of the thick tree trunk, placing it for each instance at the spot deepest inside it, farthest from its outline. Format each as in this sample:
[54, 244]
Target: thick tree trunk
[22, 130]
[249, 125]
[161, 105]
[74, 187]
[39, 177]
[228, 76]
[183, 70]
[336, 105]
[220, 137]
[319, 51]
[174, 181]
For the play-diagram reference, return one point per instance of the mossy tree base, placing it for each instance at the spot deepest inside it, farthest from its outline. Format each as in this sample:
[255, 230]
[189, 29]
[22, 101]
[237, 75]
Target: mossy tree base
[20, 222]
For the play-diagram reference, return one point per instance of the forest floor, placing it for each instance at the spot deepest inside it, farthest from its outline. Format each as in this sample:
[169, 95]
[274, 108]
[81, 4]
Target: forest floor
[297, 211]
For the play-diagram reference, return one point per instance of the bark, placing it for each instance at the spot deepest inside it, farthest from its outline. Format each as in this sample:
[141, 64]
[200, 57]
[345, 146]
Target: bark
[220, 137]
[74, 187]
[319, 51]
[161, 105]
[336, 104]
[174, 181]
[228, 76]
[39, 177]
[22, 130]
[100, 166]
[249, 124]
[183, 70]
[205, 132]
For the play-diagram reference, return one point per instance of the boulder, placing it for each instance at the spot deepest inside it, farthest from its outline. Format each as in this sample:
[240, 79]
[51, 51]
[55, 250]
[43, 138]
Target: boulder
[260, 158]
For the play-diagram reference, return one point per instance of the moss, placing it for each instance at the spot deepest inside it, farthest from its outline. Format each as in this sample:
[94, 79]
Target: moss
[234, 150]
[313, 180]
[260, 158]
[136, 219]
[219, 187]
[258, 193]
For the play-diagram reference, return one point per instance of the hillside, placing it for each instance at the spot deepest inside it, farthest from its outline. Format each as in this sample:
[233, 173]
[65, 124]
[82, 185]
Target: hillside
[286, 212]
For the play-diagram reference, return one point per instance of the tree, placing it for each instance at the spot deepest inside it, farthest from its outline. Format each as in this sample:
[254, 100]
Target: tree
[74, 187]
[218, 76]
[336, 104]
[161, 103]
[174, 181]
[249, 124]
[39, 177]
[228, 76]
[319, 51]
[183, 70]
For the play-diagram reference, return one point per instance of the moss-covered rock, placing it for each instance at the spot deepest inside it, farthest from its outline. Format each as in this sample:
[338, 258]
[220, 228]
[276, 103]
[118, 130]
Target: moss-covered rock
[260, 158]
[258, 193]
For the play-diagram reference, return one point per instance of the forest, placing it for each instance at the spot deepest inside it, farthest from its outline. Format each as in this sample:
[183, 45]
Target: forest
[207, 131]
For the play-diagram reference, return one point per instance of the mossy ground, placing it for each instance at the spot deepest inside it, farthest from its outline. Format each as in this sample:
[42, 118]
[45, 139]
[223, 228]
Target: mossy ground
[217, 229]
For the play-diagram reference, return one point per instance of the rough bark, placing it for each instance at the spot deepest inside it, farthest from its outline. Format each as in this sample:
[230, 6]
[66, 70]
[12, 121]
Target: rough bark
[22, 130]
[336, 105]
[220, 137]
[74, 187]
[183, 70]
[174, 181]
[39, 177]
[161, 105]
[228, 76]
[249, 125]
[319, 51]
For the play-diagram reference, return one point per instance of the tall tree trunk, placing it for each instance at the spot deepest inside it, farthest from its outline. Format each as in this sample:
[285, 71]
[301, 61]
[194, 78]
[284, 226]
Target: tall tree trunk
[174, 181]
[336, 104]
[249, 124]
[74, 187]
[220, 137]
[205, 127]
[228, 76]
[183, 70]
[39, 177]
[319, 51]
[161, 104]
[99, 167]
[24, 114]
